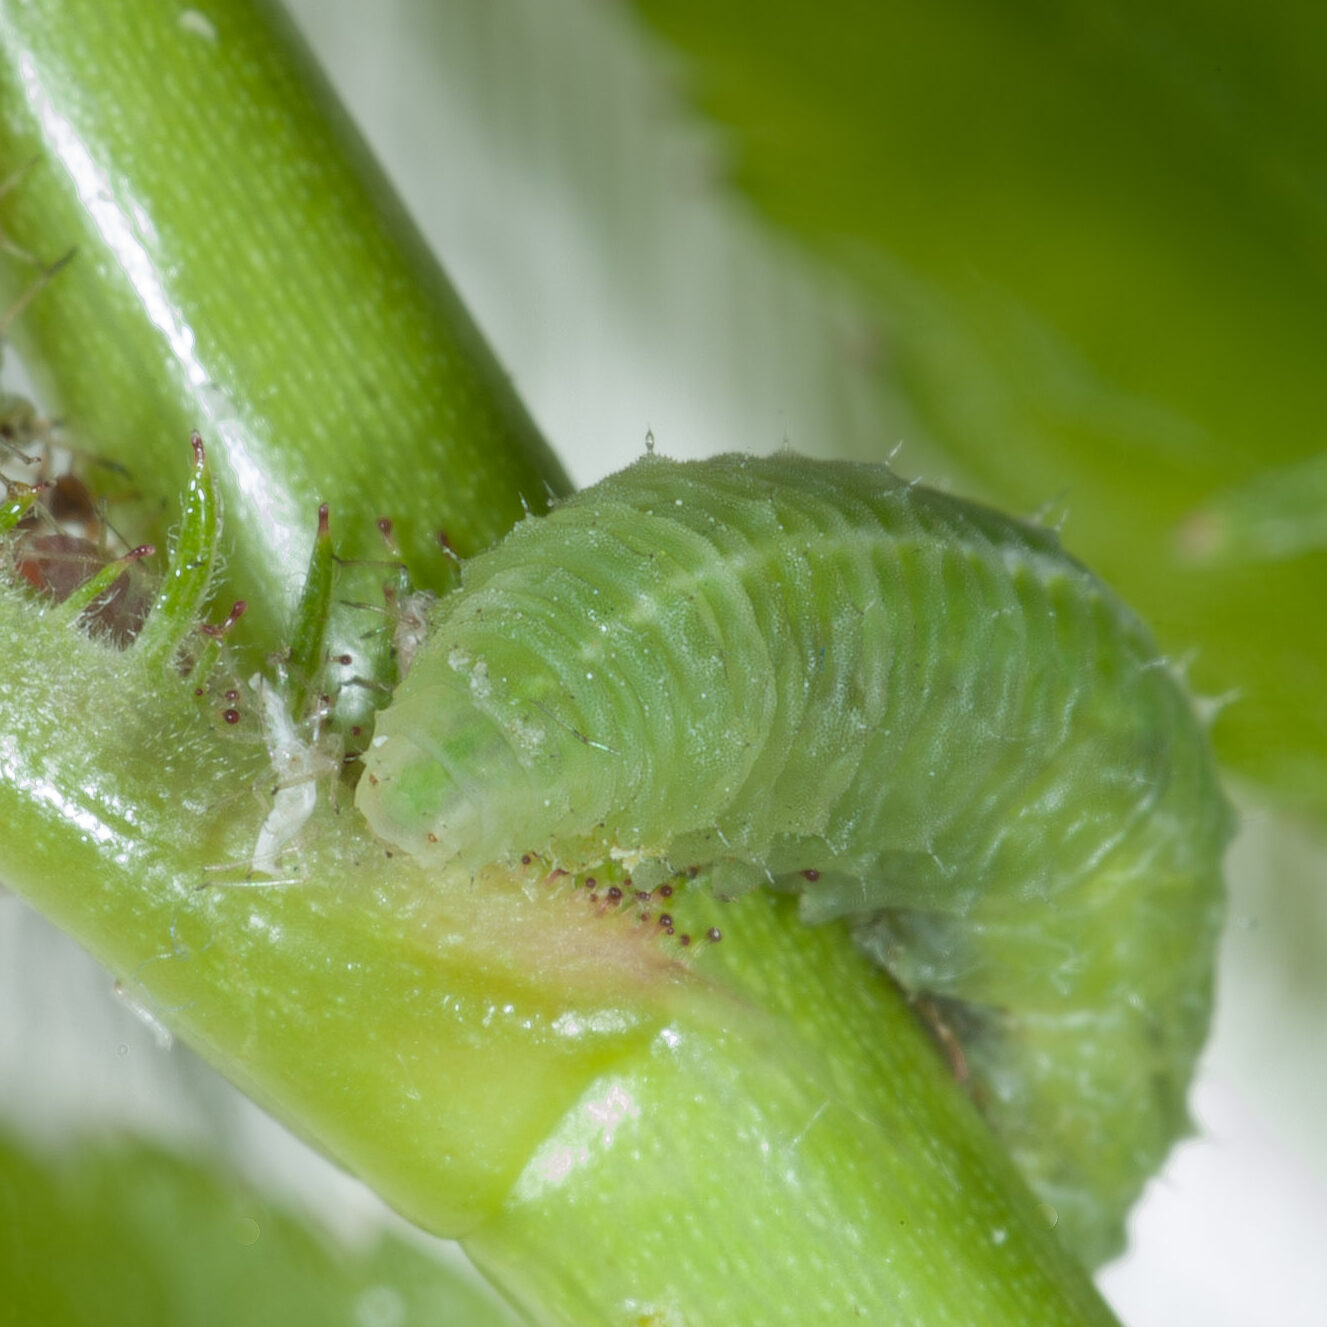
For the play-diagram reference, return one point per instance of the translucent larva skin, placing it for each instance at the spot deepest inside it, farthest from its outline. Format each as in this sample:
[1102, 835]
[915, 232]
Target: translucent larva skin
[920, 713]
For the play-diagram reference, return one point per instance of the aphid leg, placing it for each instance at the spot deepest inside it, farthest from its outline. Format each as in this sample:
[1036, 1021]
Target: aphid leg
[406, 608]
[214, 638]
[20, 427]
[46, 275]
[943, 1034]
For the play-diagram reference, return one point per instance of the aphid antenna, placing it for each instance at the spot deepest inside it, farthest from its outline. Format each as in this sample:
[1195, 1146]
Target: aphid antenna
[370, 683]
[22, 457]
[15, 177]
[247, 877]
[381, 609]
[35, 288]
[394, 564]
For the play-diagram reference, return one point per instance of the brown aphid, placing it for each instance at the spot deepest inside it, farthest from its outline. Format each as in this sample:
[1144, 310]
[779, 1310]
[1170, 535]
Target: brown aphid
[57, 564]
[70, 503]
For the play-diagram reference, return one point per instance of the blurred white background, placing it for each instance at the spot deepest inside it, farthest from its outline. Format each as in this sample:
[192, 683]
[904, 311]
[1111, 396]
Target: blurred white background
[544, 150]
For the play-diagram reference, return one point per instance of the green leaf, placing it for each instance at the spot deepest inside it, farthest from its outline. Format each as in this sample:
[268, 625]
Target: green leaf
[1091, 240]
[120, 1233]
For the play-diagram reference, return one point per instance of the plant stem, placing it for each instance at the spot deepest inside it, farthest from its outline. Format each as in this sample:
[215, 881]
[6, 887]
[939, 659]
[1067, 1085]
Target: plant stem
[242, 268]
[791, 1151]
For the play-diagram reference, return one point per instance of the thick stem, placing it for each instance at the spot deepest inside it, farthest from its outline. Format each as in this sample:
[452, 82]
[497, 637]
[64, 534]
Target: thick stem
[788, 1149]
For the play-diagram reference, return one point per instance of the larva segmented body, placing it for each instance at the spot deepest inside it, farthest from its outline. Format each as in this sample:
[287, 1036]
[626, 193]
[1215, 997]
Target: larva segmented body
[920, 713]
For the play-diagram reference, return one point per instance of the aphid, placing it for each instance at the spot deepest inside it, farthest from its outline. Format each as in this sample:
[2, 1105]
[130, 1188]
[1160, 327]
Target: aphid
[299, 761]
[921, 715]
[405, 607]
[59, 545]
[290, 707]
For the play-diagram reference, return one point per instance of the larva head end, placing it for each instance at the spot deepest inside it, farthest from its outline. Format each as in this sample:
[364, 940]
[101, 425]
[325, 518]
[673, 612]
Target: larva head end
[442, 781]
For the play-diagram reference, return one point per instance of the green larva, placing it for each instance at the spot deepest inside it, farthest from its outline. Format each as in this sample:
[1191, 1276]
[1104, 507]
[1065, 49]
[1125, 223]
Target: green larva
[923, 715]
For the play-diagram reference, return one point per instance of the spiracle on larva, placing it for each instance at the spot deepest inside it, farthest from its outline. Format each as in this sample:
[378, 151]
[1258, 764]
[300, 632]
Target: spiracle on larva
[922, 715]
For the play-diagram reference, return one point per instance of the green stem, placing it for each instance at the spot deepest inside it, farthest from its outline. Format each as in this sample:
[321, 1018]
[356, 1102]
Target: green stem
[243, 269]
[810, 1162]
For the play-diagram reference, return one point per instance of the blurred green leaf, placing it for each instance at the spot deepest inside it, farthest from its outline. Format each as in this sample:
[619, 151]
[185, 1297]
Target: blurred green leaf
[123, 1234]
[1092, 240]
